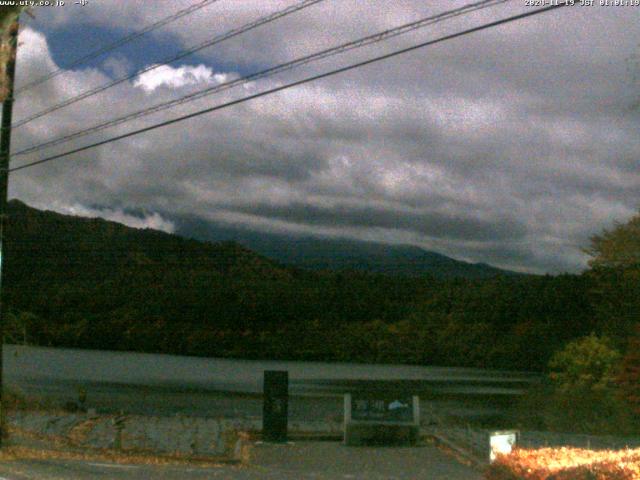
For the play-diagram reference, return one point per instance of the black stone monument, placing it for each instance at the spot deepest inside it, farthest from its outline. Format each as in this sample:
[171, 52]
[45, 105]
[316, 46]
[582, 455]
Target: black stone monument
[275, 413]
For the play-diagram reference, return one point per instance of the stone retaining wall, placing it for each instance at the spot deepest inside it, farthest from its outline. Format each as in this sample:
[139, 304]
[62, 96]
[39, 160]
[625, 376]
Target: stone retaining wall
[180, 435]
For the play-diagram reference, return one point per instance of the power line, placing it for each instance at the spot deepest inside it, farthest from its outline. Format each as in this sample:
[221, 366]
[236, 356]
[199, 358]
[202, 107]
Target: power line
[118, 43]
[215, 40]
[296, 83]
[361, 42]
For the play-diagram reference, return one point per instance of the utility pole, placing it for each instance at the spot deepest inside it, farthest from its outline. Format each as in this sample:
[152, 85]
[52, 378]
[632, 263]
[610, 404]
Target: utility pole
[5, 150]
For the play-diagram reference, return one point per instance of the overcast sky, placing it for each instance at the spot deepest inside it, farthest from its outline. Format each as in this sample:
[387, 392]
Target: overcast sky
[510, 146]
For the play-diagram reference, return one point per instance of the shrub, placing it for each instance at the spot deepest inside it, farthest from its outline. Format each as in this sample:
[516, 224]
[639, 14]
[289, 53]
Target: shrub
[566, 464]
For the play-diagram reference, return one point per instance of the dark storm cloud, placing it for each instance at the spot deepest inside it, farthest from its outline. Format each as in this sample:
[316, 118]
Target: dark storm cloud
[429, 223]
[511, 146]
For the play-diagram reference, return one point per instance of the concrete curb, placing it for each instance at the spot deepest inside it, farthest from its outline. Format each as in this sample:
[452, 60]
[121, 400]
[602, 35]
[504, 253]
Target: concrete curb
[466, 455]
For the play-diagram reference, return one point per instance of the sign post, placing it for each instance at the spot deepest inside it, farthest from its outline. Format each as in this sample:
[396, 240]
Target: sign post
[502, 442]
[275, 414]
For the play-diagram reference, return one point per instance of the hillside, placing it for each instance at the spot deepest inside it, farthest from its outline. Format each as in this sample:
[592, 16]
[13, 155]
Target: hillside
[75, 248]
[90, 283]
[99, 284]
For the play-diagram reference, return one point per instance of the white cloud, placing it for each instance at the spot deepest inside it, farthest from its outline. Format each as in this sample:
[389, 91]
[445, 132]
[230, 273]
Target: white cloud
[154, 221]
[167, 76]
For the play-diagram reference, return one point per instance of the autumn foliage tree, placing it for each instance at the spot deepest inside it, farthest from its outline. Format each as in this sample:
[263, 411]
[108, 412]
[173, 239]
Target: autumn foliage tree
[618, 247]
[615, 270]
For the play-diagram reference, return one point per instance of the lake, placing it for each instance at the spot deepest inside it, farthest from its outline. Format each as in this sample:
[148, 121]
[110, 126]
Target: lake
[169, 384]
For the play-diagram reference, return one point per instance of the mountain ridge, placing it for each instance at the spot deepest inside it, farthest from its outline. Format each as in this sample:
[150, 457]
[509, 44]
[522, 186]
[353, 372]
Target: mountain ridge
[340, 254]
[315, 253]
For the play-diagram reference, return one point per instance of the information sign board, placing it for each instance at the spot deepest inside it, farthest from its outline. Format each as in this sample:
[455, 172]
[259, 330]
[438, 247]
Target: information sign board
[385, 409]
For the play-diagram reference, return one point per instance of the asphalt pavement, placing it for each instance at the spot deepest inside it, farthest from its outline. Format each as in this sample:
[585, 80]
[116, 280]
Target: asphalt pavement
[296, 460]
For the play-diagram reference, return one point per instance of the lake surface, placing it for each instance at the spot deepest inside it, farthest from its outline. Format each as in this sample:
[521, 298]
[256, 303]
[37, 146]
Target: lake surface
[169, 384]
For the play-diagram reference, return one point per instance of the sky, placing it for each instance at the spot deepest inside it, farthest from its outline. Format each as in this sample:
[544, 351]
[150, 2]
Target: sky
[510, 146]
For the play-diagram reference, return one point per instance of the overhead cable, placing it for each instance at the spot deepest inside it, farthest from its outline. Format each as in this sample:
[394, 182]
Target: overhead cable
[118, 43]
[329, 52]
[185, 53]
[313, 78]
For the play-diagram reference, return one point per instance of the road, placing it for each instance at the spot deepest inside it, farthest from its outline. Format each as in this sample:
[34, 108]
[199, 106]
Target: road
[302, 460]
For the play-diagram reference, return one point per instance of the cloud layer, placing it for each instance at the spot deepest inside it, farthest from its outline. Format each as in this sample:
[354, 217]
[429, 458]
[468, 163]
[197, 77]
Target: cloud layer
[510, 146]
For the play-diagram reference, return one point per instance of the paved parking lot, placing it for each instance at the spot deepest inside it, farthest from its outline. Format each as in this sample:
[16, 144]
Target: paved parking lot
[298, 460]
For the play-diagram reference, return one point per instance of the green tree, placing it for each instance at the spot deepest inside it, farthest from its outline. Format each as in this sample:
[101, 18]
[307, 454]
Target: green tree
[584, 397]
[585, 363]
